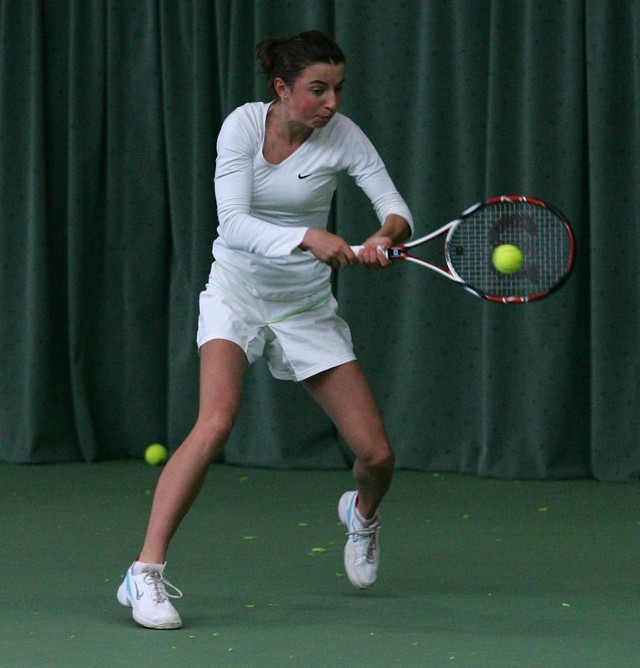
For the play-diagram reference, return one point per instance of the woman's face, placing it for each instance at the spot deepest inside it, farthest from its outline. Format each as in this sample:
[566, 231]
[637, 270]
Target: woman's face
[316, 94]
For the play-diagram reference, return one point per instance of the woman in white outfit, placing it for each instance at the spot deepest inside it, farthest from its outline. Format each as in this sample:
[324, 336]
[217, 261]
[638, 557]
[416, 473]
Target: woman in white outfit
[269, 295]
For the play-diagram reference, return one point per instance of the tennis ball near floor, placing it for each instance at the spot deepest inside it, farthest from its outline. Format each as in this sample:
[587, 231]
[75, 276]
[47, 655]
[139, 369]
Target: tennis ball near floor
[156, 454]
[507, 259]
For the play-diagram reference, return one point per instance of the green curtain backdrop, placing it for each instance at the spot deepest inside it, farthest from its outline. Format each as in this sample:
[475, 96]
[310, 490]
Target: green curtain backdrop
[109, 113]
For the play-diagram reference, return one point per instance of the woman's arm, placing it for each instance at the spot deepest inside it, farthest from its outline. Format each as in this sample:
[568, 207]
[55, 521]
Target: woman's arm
[237, 144]
[371, 175]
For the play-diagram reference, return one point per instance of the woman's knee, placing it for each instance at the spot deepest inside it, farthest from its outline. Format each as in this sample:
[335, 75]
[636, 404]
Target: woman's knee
[380, 459]
[211, 433]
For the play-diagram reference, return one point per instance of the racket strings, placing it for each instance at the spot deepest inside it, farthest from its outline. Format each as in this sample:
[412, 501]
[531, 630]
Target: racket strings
[541, 235]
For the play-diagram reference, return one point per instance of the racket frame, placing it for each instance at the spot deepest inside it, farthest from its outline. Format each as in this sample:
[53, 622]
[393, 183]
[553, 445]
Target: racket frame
[402, 251]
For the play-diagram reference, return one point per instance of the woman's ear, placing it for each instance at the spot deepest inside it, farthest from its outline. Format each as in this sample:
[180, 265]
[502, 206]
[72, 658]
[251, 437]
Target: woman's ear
[281, 88]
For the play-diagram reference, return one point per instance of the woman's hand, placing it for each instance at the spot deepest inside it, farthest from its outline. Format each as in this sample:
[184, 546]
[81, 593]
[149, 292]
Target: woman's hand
[395, 230]
[329, 248]
[373, 253]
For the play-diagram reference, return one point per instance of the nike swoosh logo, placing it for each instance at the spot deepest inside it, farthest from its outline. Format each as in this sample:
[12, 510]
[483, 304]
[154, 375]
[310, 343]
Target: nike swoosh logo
[306, 176]
[138, 594]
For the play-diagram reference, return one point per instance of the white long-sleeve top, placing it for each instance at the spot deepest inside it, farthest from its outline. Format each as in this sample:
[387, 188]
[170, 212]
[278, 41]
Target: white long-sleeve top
[264, 210]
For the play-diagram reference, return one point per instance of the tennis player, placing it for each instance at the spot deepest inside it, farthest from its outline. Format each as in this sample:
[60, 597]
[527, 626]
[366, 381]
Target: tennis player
[269, 294]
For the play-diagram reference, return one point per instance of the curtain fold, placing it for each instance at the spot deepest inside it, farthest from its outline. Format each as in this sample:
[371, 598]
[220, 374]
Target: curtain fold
[109, 113]
[613, 112]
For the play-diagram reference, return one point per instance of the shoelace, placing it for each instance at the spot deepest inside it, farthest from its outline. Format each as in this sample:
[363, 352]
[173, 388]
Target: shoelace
[159, 584]
[368, 532]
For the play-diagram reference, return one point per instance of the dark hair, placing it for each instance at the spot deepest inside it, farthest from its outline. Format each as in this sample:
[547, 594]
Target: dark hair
[286, 58]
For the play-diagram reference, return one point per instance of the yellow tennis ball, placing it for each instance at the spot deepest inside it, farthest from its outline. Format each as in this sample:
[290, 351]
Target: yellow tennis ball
[507, 259]
[156, 454]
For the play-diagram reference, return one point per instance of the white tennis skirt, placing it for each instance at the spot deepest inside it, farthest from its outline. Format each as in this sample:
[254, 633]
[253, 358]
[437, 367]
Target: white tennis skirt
[298, 338]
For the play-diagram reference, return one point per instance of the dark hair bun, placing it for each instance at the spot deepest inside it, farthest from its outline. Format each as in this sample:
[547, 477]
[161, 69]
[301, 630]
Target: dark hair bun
[286, 58]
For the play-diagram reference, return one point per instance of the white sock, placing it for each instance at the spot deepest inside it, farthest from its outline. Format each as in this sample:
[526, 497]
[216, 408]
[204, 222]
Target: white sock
[140, 567]
[365, 522]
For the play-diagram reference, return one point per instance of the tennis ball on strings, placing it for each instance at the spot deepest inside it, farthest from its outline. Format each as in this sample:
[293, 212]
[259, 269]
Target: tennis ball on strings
[156, 454]
[507, 259]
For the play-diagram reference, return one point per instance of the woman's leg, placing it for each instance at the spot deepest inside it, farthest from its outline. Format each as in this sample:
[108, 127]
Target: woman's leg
[222, 368]
[346, 396]
[145, 589]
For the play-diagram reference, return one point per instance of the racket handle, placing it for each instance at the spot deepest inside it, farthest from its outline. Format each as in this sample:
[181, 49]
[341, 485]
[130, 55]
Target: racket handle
[357, 249]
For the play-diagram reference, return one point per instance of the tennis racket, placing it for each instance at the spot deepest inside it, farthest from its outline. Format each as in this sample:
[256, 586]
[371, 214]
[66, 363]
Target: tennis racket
[541, 234]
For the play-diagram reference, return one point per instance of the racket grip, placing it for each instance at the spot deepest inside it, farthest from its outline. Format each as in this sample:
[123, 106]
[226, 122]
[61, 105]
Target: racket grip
[357, 249]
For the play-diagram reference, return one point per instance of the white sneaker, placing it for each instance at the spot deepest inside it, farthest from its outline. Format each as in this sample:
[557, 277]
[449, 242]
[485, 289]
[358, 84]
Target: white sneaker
[362, 551]
[144, 590]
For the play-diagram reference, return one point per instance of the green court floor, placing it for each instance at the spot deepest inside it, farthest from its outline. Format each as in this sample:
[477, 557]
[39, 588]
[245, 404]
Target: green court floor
[475, 572]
